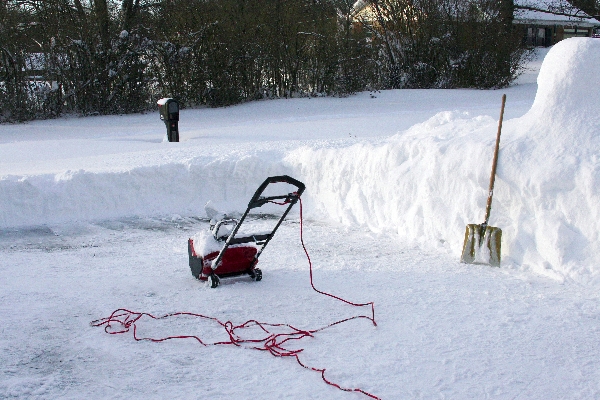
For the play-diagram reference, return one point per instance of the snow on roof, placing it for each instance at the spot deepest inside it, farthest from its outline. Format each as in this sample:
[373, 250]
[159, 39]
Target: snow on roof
[533, 11]
[551, 12]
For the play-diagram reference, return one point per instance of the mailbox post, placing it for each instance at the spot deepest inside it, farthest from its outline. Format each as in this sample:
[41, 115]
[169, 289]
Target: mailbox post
[169, 113]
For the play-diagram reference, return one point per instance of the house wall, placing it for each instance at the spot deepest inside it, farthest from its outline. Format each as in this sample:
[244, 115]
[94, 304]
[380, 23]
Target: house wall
[541, 35]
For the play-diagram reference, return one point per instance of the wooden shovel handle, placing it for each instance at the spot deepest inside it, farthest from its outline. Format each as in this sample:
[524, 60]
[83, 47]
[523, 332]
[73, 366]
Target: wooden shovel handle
[488, 208]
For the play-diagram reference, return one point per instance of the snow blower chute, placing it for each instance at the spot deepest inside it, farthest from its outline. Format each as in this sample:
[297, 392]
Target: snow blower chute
[224, 251]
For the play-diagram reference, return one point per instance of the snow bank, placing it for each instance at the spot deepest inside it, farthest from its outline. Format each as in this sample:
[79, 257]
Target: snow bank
[427, 183]
[552, 166]
[159, 190]
[424, 184]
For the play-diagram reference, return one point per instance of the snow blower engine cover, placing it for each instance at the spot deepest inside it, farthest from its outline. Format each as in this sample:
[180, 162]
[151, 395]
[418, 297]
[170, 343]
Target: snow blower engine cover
[225, 249]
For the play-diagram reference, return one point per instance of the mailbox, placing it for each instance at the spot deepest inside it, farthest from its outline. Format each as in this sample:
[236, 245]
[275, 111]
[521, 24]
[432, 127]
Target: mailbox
[169, 113]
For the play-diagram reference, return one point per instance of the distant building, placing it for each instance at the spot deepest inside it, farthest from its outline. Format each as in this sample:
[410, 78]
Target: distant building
[547, 22]
[543, 22]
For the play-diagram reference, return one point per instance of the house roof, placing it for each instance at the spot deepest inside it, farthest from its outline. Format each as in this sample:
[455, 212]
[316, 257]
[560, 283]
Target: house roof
[551, 12]
[548, 12]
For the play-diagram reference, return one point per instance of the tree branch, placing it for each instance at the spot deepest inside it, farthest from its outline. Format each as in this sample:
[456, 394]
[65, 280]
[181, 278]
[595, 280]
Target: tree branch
[566, 14]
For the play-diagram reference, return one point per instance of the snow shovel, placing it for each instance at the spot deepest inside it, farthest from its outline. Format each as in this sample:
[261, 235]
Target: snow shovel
[482, 242]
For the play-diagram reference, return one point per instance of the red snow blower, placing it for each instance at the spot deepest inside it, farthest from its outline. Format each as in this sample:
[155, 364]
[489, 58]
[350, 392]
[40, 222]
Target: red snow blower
[225, 252]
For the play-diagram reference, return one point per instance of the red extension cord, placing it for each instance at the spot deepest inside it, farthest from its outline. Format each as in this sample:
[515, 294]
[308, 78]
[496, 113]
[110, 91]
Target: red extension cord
[272, 342]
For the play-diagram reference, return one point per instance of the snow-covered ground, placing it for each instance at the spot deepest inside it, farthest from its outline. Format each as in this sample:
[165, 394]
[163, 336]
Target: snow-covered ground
[95, 214]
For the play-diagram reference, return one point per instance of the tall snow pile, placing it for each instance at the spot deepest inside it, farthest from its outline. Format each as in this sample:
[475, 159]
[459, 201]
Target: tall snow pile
[427, 183]
[552, 166]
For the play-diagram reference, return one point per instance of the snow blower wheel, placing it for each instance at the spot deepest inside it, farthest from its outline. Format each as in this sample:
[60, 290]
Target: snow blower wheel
[255, 274]
[220, 252]
[213, 280]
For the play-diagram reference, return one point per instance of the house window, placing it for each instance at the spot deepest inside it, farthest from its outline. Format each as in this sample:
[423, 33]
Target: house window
[537, 36]
[576, 32]
[541, 34]
[581, 32]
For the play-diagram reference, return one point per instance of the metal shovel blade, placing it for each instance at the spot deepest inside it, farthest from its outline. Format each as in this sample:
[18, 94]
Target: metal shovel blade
[482, 247]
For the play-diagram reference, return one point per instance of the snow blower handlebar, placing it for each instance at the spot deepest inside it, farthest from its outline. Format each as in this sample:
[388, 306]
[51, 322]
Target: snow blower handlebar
[258, 201]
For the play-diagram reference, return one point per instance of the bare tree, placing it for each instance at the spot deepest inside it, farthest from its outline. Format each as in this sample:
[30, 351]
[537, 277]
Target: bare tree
[446, 43]
[110, 56]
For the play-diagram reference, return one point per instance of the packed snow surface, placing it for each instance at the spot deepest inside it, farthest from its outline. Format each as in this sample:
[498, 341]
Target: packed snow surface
[95, 214]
